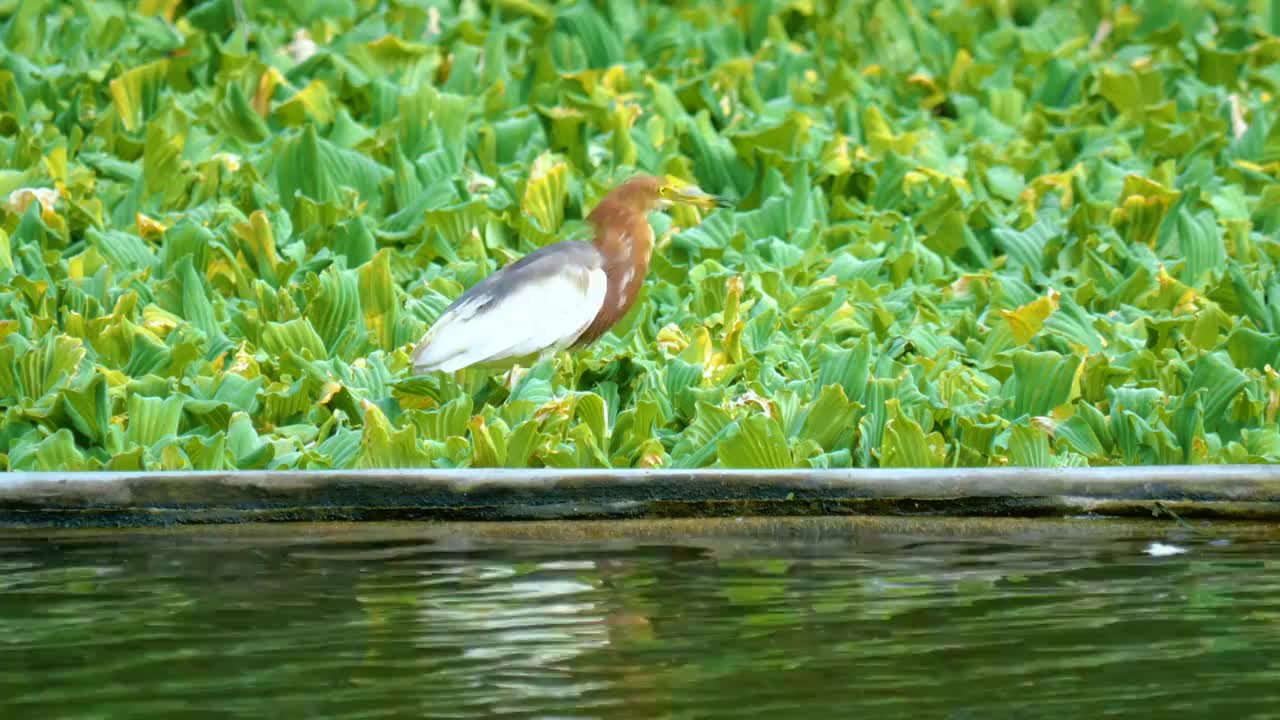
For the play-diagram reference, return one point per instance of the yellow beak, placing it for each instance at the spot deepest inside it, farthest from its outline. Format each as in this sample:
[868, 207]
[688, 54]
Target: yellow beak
[691, 195]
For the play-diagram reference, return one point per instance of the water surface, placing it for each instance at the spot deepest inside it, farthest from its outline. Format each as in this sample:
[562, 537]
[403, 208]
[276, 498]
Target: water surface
[769, 619]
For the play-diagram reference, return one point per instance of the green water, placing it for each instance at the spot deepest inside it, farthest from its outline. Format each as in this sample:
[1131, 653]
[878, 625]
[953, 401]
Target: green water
[750, 619]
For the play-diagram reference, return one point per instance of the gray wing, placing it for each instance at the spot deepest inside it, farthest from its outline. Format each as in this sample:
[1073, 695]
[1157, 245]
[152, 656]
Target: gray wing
[539, 303]
[531, 268]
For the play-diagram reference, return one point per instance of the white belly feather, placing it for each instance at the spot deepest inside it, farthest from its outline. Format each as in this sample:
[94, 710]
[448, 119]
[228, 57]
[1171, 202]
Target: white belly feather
[544, 315]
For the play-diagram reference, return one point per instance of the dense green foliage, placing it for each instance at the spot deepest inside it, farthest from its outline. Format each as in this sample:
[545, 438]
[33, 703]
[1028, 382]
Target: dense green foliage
[965, 234]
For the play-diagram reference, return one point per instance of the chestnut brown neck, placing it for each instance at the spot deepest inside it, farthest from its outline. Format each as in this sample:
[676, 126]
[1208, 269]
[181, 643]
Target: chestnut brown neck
[624, 239]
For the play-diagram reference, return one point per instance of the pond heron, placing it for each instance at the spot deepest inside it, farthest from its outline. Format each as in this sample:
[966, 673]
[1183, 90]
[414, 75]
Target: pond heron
[560, 296]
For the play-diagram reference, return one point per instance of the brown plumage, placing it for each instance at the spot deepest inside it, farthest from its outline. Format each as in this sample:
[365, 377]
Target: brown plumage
[567, 294]
[624, 239]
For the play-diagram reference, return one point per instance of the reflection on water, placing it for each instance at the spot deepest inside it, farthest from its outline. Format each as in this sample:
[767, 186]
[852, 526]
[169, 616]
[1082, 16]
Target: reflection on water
[793, 621]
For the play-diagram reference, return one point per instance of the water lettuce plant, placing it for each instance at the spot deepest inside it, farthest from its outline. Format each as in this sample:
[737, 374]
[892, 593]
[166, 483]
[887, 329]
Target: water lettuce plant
[967, 232]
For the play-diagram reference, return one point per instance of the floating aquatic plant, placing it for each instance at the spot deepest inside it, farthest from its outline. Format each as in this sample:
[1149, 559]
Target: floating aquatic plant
[965, 234]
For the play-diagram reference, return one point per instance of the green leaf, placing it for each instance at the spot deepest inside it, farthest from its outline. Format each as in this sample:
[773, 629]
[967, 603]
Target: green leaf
[448, 420]
[315, 168]
[949, 221]
[1199, 241]
[213, 400]
[55, 453]
[1221, 382]
[250, 450]
[1188, 426]
[1252, 349]
[1026, 247]
[847, 367]
[829, 419]
[589, 409]
[311, 104]
[1029, 447]
[236, 117]
[257, 240]
[535, 386]
[543, 198]
[89, 408]
[1249, 298]
[699, 442]
[196, 307]
[521, 444]
[294, 336]
[162, 159]
[432, 120]
[680, 383]
[585, 26]
[6, 253]
[334, 311]
[37, 373]
[136, 93]
[905, 443]
[1131, 91]
[125, 252]
[152, 420]
[378, 301]
[754, 442]
[207, 453]
[1140, 436]
[1042, 381]
[1076, 434]
[341, 449]
[147, 355]
[488, 444]
[381, 446]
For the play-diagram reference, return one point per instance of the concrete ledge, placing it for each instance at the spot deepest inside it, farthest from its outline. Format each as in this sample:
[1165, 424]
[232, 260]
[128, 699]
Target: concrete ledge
[1250, 492]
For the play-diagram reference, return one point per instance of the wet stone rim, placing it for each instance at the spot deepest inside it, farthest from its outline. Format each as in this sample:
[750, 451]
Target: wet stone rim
[1250, 492]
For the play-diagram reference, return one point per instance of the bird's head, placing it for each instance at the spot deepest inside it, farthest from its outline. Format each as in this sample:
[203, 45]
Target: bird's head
[674, 191]
[643, 194]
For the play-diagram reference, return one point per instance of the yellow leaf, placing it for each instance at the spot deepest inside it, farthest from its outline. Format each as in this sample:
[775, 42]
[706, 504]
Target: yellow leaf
[1268, 169]
[1027, 320]
[391, 50]
[653, 454]
[313, 102]
[378, 299]
[149, 227]
[936, 96]
[960, 68]
[244, 364]
[1273, 394]
[257, 235]
[327, 391]
[671, 339]
[699, 349]
[881, 138]
[267, 84]
[544, 196]
[159, 321]
[1143, 209]
[1062, 182]
[56, 164]
[165, 8]
[835, 157]
[134, 92]
[931, 177]
[485, 451]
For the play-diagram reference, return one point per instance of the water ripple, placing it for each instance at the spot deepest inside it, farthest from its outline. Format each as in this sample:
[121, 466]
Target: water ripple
[388, 627]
